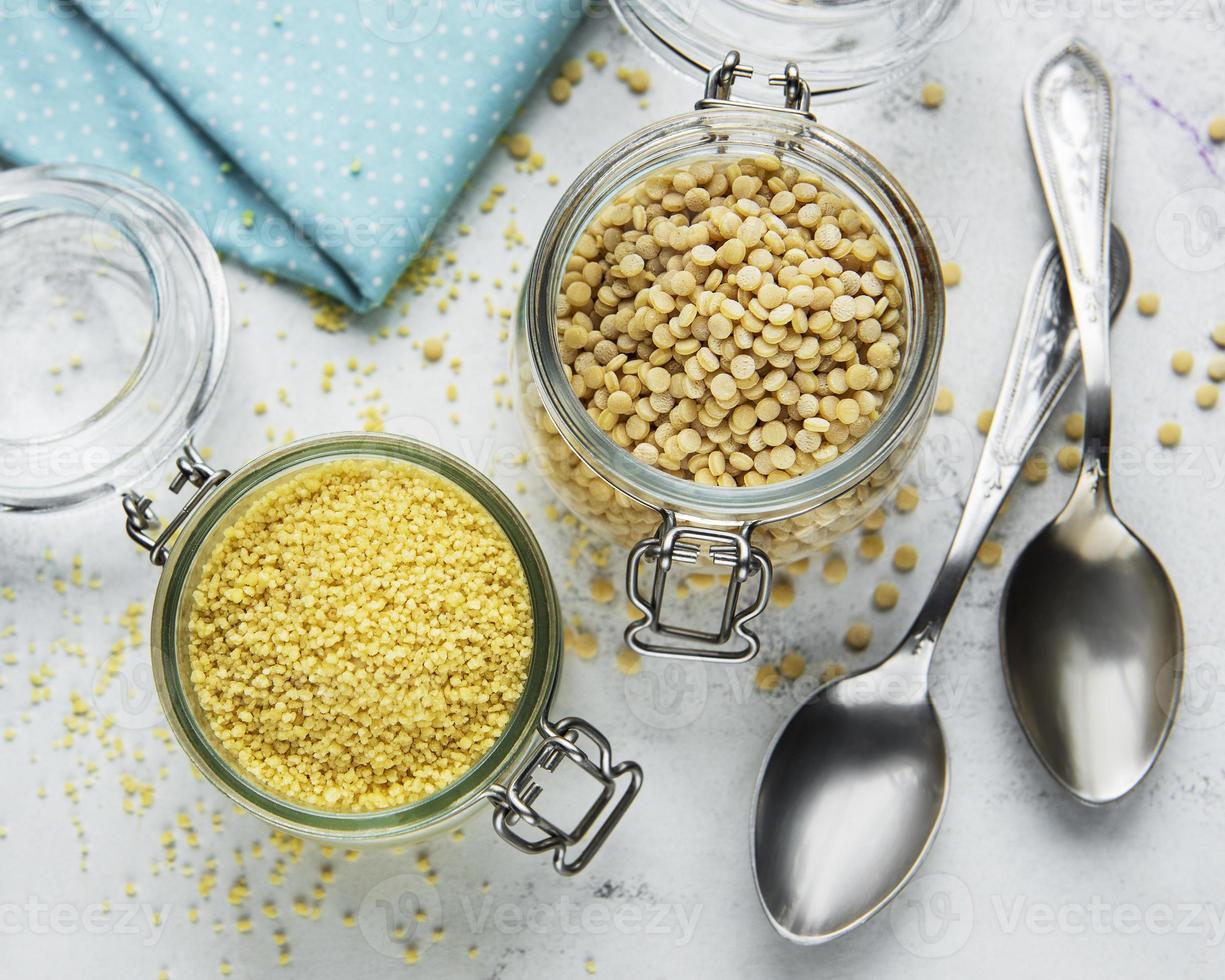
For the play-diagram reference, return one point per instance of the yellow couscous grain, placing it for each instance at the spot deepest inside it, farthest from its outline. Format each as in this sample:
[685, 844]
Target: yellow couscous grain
[360, 636]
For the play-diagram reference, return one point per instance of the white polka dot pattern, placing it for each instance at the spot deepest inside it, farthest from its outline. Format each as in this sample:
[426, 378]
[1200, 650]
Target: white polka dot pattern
[320, 140]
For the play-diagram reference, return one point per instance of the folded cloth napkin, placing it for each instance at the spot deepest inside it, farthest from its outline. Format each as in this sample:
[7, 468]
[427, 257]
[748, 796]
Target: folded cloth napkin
[317, 139]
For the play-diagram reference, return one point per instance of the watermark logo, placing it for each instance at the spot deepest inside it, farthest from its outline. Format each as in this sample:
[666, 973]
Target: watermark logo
[934, 21]
[396, 910]
[1201, 681]
[125, 691]
[946, 457]
[1190, 230]
[1020, 914]
[401, 21]
[668, 694]
[934, 916]
[569, 918]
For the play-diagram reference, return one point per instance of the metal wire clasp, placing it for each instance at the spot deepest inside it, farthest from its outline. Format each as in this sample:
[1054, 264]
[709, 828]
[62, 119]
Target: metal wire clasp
[139, 509]
[797, 97]
[516, 804]
[730, 549]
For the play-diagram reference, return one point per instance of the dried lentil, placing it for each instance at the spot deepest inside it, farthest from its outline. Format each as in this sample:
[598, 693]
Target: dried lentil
[732, 323]
[1074, 426]
[932, 95]
[1068, 458]
[858, 636]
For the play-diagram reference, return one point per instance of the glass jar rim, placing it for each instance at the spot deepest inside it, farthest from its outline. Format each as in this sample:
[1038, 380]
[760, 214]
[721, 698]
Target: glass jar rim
[169, 655]
[183, 272]
[843, 49]
[646, 151]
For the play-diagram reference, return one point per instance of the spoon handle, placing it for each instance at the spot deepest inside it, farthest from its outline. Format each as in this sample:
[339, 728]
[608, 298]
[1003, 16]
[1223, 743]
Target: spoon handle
[1069, 112]
[1044, 358]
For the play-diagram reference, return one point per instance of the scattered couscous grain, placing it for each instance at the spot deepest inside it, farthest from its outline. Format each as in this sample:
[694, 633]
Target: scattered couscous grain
[907, 498]
[1074, 426]
[793, 665]
[858, 636]
[932, 95]
[1216, 368]
[433, 349]
[885, 596]
[1182, 362]
[360, 635]
[637, 80]
[1216, 129]
[1218, 335]
[990, 552]
[944, 401]
[1068, 458]
[984, 420]
[951, 272]
[1206, 395]
[1148, 304]
[560, 90]
[876, 520]
[1169, 434]
[602, 590]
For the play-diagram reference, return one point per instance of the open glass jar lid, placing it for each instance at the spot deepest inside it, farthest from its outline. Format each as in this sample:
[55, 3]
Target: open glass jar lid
[840, 46]
[113, 323]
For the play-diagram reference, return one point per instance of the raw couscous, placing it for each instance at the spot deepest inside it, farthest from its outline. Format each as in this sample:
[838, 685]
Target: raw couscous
[360, 636]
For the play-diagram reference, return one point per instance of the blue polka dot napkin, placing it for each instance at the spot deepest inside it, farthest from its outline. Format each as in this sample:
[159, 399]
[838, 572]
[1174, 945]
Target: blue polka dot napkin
[319, 139]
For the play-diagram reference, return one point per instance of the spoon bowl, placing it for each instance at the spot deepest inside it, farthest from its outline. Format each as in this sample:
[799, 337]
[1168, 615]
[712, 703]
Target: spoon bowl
[1091, 634]
[1092, 643]
[882, 792]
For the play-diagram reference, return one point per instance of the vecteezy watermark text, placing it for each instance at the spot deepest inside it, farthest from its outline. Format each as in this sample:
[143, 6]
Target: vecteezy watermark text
[39, 918]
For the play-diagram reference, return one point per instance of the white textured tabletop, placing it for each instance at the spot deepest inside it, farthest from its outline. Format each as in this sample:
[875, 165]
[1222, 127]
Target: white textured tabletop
[1021, 882]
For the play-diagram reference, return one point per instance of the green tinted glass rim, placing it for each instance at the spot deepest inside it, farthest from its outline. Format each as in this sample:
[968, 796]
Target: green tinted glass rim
[171, 664]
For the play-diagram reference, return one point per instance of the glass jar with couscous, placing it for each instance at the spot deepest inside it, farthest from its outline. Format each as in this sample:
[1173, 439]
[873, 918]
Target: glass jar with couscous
[357, 639]
[726, 348]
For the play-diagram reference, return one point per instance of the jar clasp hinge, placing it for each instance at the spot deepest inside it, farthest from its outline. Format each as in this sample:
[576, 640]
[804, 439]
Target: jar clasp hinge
[797, 96]
[515, 804]
[728, 549]
[139, 509]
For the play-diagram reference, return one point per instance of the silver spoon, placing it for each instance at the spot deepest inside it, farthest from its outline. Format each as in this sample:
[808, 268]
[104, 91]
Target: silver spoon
[853, 787]
[1090, 633]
